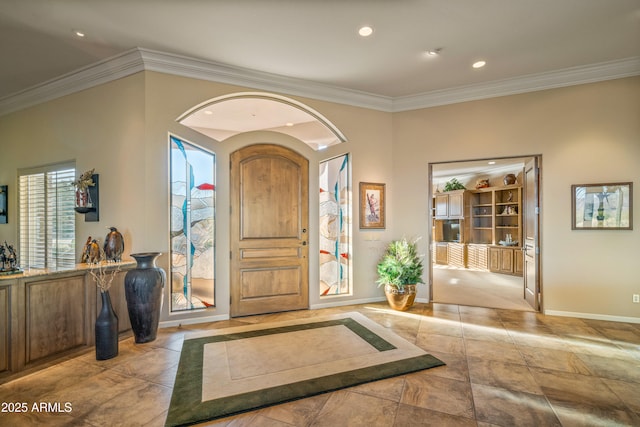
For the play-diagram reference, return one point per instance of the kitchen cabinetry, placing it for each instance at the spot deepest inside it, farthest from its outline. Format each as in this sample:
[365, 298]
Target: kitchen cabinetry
[450, 205]
[505, 260]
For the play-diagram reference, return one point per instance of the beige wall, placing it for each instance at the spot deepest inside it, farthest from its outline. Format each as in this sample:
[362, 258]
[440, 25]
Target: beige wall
[585, 133]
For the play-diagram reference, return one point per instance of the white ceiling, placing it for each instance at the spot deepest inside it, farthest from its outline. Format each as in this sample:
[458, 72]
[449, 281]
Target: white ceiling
[317, 40]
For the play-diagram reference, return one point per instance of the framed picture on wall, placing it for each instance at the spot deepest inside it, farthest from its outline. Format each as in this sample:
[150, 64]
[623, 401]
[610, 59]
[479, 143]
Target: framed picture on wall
[372, 208]
[602, 206]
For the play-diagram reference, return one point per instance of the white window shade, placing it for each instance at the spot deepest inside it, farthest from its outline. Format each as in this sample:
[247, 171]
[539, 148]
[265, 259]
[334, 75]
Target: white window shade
[47, 217]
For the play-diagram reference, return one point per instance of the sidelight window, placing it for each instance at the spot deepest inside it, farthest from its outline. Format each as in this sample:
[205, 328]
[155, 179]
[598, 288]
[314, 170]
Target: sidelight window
[192, 190]
[335, 227]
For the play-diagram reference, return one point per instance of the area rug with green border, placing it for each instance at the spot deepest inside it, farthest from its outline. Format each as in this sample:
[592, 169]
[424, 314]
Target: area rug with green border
[232, 370]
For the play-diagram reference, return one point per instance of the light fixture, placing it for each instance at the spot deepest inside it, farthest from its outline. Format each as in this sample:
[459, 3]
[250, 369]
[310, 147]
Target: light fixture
[289, 124]
[434, 52]
[208, 112]
[479, 64]
[365, 31]
[492, 162]
[79, 33]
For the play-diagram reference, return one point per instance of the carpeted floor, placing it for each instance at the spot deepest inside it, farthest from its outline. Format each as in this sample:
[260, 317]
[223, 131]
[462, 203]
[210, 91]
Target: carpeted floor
[462, 286]
[242, 368]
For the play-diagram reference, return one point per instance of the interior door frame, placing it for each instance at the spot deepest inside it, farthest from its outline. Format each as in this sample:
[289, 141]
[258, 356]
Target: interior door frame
[430, 216]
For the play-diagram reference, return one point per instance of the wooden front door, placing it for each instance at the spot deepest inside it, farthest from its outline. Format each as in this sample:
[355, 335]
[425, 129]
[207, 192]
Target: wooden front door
[269, 229]
[531, 246]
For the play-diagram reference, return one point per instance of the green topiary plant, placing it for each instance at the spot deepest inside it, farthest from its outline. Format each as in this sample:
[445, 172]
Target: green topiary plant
[400, 265]
[453, 184]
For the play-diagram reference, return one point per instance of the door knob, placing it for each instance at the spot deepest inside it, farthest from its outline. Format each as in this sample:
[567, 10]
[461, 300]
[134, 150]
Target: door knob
[304, 243]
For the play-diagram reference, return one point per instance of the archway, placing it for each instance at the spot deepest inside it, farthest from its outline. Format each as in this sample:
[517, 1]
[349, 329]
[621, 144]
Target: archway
[228, 115]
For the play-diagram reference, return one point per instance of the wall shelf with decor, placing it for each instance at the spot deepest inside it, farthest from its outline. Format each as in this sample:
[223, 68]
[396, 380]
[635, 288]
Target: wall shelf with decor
[90, 207]
[4, 204]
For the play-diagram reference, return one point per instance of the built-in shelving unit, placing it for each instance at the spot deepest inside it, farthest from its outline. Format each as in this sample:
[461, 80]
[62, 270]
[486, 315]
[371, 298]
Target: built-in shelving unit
[495, 214]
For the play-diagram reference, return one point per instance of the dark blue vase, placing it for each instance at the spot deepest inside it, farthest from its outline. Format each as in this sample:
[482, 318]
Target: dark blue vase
[106, 330]
[143, 291]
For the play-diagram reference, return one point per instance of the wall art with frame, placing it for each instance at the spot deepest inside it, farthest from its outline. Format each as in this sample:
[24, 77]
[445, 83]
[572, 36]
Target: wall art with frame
[372, 205]
[602, 206]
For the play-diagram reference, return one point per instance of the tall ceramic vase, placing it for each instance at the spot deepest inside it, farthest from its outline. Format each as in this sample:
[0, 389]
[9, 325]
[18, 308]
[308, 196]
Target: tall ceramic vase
[106, 330]
[143, 291]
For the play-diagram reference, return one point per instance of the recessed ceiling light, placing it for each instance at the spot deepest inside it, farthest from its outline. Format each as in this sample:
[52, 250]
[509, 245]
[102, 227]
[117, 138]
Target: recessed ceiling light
[79, 33]
[365, 31]
[492, 162]
[434, 52]
[208, 112]
[289, 124]
[479, 64]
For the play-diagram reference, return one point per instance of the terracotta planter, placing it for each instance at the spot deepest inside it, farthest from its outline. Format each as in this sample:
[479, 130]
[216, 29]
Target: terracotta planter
[400, 300]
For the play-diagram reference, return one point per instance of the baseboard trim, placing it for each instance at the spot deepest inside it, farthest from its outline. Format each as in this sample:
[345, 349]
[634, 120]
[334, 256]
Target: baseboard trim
[193, 321]
[346, 302]
[592, 316]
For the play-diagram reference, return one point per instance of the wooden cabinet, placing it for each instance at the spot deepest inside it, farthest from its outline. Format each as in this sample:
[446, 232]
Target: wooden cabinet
[5, 322]
[477, 256]
[442, 253]
[46, 316]
[505, 260]
[457, 254]
[449, 205]
[55, 317]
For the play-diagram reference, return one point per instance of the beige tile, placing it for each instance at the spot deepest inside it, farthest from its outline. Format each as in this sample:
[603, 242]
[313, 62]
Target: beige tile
[440, 343]
[628, 392]
[500, 374]
[345, 408]
[612, 368]
[438, 326]
[141, 404]
[390, 388]
[486, 333]
[512, 408]
[455, 368]
[299, 412]
[412, 416]
[554, 359]
[439, 394]
[492, 350]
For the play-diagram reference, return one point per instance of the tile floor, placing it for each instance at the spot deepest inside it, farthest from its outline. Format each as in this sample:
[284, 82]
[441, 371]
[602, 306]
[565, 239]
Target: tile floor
[504, 368]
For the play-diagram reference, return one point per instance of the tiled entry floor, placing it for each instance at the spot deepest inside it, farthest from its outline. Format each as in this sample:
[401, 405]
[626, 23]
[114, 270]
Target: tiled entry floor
[504, 368]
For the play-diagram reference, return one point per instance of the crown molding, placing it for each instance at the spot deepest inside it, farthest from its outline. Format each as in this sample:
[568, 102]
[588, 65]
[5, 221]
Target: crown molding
[101, 72]
[530, 83]
[138, 59]
[221, 73]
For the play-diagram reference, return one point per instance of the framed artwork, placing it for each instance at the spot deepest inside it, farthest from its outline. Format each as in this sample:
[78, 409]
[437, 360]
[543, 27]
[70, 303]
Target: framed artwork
[372, 210]
[602, 206]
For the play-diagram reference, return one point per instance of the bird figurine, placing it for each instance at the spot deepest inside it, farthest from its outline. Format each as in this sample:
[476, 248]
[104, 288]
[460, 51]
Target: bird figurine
[94, 252]
[113, 245]
[85, 251]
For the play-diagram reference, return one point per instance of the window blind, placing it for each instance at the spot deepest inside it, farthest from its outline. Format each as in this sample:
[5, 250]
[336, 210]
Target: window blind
[47, 218]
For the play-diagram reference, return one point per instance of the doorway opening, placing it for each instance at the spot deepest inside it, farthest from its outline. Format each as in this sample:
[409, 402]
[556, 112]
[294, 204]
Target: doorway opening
[484, 244]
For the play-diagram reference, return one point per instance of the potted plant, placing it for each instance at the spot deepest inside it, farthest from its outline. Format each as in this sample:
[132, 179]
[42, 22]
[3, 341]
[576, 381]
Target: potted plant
[453, 184]
[399, 271]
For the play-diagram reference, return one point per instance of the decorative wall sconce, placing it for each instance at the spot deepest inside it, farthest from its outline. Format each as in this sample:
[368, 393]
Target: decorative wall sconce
[88, 200]
[4, 204]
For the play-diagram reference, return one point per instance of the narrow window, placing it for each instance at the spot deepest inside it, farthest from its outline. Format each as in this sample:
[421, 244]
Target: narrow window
[192, 226]
[335, 227]
[47, 217]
